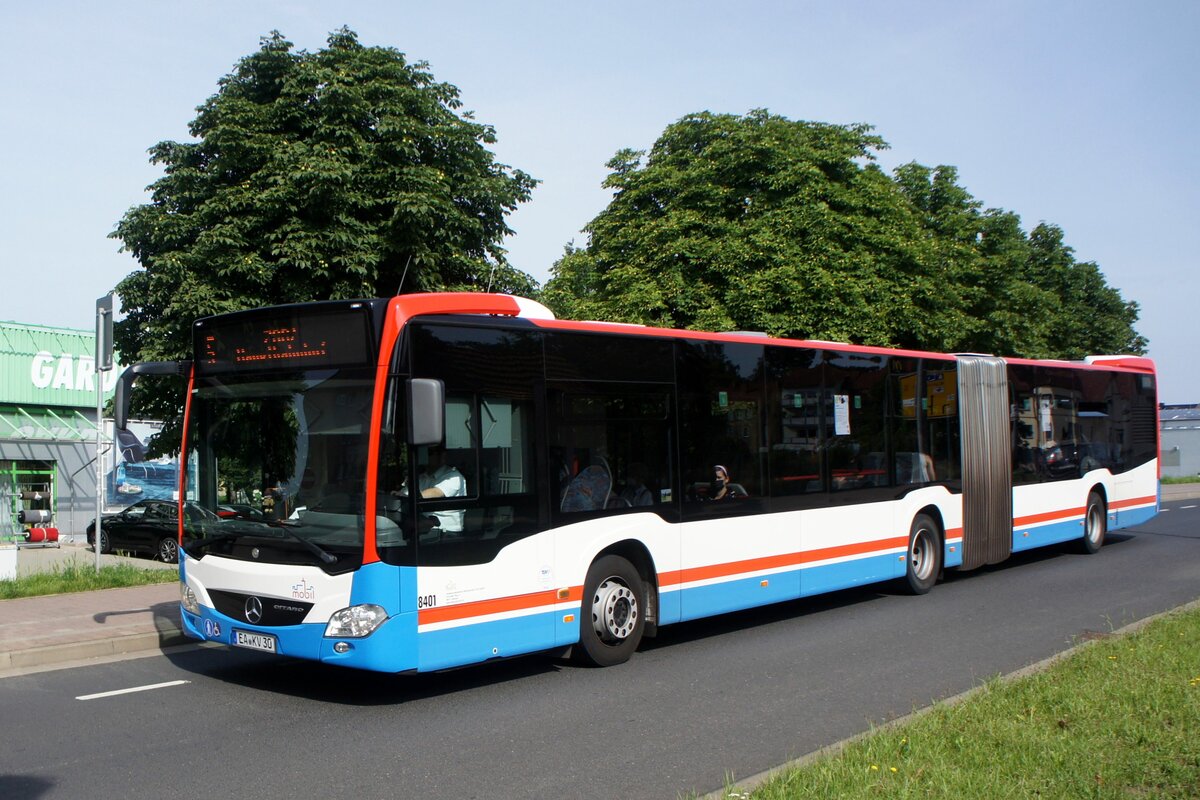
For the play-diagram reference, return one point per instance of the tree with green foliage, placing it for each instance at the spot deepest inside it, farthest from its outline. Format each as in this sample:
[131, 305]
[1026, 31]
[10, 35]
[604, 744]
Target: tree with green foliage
[1026, 294]
[758, 222]
[314, 176]
[754, 222]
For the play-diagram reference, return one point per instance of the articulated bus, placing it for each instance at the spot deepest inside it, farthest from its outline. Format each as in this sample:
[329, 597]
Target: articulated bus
[428, 481]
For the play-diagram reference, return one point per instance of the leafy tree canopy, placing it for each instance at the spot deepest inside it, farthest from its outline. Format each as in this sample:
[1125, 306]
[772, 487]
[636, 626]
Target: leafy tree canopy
[314, 176]
[758, 222]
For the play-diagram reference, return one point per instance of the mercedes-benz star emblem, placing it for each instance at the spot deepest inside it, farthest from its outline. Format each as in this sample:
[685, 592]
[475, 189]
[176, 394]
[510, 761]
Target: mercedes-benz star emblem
[253, 610]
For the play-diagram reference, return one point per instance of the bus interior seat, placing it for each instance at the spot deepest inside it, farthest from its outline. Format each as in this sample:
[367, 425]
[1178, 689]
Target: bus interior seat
[588, 491]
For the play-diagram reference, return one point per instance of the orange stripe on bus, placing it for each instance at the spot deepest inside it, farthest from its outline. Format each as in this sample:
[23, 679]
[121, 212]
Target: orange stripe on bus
[1049, 516]
[774, 562]
[712, 571]
[1135, 501]
[499, 605]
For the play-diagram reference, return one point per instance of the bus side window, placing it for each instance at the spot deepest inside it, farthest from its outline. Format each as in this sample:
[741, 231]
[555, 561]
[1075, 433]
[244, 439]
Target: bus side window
[925, 421]
[721, 401]
[610, 448]
[856, 414]
[796, 426]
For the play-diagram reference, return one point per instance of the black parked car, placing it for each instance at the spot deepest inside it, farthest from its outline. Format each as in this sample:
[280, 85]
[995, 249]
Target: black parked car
[150, 527]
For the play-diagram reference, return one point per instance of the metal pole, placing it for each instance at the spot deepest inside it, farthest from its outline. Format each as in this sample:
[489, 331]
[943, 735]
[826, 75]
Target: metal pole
[104, 312]
[99, 460]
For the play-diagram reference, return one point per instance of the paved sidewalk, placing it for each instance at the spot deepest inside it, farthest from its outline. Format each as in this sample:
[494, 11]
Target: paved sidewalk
[1180, 491]
[56, 630]
[32, 559]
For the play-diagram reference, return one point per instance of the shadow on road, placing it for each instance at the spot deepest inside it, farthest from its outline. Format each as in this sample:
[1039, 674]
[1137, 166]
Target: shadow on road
[312, 680]
[24, 787]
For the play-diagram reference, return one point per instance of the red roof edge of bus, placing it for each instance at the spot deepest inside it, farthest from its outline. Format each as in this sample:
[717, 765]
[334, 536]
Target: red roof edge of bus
[412, 305]
[1137, 363]
[730, 336]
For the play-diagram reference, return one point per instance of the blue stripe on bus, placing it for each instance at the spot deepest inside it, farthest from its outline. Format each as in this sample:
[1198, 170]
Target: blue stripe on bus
[740, 593]
[1044, 535]
[466, 644]
[952, 559]
[831, 577]
[480, 641]
[1127, 518]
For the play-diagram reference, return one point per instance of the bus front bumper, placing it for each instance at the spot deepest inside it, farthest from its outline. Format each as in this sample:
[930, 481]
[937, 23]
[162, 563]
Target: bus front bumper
[392, 647]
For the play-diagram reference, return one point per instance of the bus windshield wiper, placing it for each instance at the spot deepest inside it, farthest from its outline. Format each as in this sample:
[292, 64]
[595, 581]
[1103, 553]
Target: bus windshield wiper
[275, 530]
[325, 556]
[199, 544]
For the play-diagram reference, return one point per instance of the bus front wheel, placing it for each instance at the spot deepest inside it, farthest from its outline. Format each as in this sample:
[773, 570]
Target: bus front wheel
[924, 554]
[612, 617]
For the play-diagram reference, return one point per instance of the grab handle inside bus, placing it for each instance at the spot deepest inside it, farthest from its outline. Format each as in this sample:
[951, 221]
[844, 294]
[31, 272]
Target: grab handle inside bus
[125, 385]
[426, 411]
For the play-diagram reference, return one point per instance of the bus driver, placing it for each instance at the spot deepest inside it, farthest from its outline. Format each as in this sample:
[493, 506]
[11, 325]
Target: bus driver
[440, 480]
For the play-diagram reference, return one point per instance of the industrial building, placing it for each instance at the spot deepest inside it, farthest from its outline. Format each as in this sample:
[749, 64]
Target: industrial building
[1179, 426]
[48, 428]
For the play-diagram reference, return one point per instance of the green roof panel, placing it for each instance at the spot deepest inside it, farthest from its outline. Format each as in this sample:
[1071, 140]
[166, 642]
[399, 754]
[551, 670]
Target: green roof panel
[42, 366]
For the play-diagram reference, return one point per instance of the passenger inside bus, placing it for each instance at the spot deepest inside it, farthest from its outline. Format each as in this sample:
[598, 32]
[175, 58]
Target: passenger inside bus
[720, 484]
[635, 493]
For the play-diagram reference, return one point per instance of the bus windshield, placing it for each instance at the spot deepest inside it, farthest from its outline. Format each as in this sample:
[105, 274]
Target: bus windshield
[281, 459]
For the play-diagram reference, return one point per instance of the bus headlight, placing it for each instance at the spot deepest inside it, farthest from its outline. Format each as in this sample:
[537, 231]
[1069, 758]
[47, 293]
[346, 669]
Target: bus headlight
[355, 622]
[187, 598]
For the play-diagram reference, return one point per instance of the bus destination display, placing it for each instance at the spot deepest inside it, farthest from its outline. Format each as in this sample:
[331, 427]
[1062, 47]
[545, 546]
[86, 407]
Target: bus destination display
[330, 339]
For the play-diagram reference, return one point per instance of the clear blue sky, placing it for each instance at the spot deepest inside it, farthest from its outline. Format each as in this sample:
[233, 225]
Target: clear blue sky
[1075, 113]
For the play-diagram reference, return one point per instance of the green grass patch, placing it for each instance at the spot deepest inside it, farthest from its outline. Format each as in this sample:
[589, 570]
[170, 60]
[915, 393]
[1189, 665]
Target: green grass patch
[1184, 479]
[80, 575]
[1116, 719]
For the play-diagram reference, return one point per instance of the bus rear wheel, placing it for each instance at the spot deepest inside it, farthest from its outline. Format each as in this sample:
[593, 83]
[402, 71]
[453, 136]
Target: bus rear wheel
[1095, 524]
[924, 554]
[612, 618]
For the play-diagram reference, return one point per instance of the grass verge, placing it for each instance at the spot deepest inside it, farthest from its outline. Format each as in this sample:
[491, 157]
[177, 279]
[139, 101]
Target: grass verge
[1184, 479]
[81, 576]
[1115, 719]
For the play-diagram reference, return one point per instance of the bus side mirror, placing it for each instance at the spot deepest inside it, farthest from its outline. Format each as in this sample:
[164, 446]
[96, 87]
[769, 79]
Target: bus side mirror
[426, 411]
[125, 385]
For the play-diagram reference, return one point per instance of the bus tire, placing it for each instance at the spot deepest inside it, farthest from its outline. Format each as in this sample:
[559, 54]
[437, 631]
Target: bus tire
[1095, 524]
[612, 617]
[924, 560]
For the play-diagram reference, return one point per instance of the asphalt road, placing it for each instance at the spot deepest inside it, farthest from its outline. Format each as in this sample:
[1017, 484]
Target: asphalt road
[731, 696]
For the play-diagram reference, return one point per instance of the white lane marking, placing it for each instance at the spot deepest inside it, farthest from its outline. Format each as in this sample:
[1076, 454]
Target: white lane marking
[1193, 505]
[98, 695]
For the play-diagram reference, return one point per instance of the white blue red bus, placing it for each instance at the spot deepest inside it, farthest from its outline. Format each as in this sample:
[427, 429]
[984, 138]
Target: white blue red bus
[599, 480]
